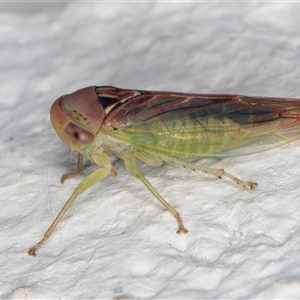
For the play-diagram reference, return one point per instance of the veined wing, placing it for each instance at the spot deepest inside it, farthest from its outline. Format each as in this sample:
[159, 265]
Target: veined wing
[192, 125]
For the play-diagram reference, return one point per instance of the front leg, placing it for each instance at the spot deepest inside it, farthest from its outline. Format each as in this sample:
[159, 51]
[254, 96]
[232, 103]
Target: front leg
[105, 169]
[79, 169]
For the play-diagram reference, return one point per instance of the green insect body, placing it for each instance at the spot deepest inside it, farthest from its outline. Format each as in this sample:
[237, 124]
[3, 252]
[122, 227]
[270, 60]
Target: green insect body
[157, 127]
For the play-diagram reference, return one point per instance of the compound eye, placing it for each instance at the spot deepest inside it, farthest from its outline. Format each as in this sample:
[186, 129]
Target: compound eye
[76, 137]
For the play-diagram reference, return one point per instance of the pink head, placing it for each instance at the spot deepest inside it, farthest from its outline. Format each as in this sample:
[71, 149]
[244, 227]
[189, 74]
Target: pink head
[77, 117]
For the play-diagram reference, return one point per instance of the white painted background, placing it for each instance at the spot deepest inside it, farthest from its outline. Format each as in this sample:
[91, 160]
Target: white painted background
[117, 242]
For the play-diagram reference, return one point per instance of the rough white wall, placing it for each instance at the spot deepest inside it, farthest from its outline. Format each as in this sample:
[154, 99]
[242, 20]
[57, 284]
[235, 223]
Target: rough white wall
[117, 241]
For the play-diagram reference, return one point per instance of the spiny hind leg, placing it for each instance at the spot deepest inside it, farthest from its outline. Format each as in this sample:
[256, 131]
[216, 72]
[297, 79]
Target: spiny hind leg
[215, 172]
[133, 170]
[252, 185]
[220, 173]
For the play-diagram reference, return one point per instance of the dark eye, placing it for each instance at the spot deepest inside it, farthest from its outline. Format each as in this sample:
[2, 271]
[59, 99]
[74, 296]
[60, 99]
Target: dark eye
[81, 136]
[76, 137]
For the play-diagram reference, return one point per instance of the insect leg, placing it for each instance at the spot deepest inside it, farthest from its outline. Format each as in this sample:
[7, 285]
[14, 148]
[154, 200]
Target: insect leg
[133, 170]
[79, 169]
[215, 172]
[85, 184]
[219, 173]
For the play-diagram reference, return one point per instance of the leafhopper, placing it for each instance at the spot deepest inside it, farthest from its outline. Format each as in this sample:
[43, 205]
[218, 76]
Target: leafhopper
[157, 127]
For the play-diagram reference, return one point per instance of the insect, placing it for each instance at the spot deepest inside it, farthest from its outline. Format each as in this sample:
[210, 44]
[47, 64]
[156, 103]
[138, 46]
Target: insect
[157, 127]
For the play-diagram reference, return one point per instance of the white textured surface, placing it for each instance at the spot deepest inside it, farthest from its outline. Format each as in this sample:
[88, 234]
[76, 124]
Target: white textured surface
[117, 241]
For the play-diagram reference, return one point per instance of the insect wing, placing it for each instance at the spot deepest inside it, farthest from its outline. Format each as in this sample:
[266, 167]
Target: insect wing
[191, 125]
